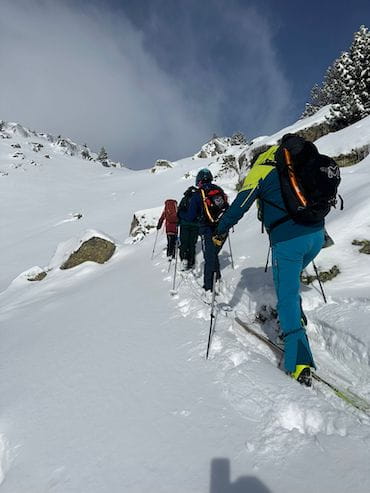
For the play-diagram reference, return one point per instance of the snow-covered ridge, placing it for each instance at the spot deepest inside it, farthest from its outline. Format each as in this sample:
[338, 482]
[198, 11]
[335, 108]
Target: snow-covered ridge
[24, 147]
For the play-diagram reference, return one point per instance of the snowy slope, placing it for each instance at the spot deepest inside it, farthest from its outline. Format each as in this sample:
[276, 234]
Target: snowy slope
[104, 385]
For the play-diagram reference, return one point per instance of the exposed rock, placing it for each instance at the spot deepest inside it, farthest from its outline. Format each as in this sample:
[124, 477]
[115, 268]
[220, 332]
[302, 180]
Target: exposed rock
[310, 133]
[36, 146]
[217, 145]
[316, 131]
[95, 249]
[354, 157]
[143, 223]
[256, 152]
[324, 276]
[15, 146]
[161, 165]
[38, 277]
[18, 155]
[364, 244]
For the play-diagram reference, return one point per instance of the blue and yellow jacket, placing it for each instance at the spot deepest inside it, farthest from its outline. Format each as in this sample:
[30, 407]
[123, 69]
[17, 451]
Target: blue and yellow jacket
[262, 184]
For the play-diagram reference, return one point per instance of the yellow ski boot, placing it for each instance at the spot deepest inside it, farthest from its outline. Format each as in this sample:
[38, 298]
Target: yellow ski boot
[303, 375]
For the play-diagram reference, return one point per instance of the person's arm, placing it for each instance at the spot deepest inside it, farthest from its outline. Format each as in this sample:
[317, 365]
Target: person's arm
[161, 219]
[243, 200]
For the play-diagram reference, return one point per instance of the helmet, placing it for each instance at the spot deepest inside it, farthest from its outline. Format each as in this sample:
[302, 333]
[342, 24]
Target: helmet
[203, 176]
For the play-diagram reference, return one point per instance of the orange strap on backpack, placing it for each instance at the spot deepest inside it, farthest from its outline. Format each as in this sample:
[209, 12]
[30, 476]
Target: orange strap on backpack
[208, 214]
[293, 180]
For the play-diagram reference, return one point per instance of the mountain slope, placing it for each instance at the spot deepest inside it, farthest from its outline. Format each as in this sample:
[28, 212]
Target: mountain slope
[105, 386]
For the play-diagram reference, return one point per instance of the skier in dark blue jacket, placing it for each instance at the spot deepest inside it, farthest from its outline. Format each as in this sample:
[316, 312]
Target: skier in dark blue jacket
[204, 208]
[294, 246]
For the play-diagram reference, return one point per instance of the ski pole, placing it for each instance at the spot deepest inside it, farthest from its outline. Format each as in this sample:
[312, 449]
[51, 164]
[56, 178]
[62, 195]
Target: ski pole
[268, 258]
[318, 278]
[175, 269]
[155, 243]
[211, 325]
[231, 253]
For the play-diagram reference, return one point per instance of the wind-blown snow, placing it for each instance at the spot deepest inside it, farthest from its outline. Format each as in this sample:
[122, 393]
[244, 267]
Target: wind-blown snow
[104, 384]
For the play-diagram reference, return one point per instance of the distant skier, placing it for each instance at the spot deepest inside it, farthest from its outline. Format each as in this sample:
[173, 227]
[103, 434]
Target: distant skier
[189, 231]
[169, 215]
[290, 180]
[206, 206]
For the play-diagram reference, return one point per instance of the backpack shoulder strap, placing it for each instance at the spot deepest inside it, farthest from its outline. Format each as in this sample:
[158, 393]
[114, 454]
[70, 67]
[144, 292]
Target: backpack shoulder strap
[205, 206]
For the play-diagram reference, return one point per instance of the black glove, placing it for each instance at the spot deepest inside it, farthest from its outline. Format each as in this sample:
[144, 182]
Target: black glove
[219, 239]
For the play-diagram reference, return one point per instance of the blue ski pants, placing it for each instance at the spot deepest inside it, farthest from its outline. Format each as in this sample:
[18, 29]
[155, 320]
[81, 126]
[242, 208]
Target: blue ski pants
[211, 262]
[289, 258]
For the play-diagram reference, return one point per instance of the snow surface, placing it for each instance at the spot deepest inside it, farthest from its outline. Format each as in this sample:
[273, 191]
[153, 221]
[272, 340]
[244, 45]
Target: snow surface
[104, 384]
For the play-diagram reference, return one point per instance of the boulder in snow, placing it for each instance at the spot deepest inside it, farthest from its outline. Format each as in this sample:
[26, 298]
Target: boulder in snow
[94, 249]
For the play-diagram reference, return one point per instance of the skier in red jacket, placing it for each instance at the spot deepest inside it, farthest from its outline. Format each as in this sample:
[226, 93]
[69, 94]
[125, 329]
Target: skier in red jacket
[169, 215]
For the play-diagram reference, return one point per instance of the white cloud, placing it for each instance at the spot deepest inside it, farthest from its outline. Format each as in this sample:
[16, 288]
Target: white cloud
[88, 75]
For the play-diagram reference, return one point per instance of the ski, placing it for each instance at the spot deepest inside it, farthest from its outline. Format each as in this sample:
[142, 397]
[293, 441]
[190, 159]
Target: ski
[346, 395]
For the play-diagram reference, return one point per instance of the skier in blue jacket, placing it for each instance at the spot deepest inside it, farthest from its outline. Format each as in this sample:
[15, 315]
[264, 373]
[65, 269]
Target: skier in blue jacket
[201, 211]
[294, 246]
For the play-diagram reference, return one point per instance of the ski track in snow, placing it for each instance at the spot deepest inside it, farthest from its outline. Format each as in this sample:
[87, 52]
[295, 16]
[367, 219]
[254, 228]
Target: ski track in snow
[294, 414]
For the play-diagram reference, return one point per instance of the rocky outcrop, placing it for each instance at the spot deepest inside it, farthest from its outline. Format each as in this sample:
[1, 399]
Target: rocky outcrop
[161, 165]
[364, 244]
[143, 223]
[95, 249]
[324, 276]
[310, 133]
[316, 131]
[216, 146]
[354, 157]
[38, 277]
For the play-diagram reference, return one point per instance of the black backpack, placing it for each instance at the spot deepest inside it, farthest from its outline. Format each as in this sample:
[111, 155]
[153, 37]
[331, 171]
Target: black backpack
[308, 180]
[185, 201]
[214, 202]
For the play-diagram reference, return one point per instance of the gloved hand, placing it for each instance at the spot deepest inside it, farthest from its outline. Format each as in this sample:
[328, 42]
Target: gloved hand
[158, 227]
[219, 240]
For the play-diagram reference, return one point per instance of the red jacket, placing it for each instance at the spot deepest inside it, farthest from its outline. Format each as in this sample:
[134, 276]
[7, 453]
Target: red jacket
[171, 228]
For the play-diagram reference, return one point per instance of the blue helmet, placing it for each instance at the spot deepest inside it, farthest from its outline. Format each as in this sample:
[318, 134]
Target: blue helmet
[203, 176]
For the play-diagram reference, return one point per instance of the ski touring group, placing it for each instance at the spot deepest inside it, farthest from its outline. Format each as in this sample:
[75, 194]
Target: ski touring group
[295, 187]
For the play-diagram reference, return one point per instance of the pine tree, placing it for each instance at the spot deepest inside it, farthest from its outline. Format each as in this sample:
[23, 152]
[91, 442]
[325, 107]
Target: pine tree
[354, 79]
[346, 84]
[360, 54]
[238, 138]
[103, 155]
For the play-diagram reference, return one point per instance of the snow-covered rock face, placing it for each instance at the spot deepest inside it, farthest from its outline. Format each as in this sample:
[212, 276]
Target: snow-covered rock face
[217, 145]
[29, 148]
[143, 223]
[161, 165]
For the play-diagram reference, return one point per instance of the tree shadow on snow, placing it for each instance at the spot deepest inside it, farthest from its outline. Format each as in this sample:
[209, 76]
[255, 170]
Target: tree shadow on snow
[220, 480]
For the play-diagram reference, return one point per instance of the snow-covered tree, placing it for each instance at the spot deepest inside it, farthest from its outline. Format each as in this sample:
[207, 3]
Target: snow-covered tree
[238, 138]
[355, 80]
[346, 84]
[103, 155]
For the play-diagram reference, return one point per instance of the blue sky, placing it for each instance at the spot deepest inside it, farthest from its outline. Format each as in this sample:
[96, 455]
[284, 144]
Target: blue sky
[153, 79]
